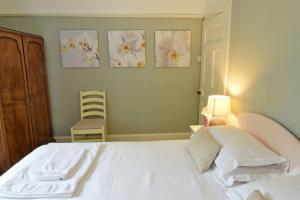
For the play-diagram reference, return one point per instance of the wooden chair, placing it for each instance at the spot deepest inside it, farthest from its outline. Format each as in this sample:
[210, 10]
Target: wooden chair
[92, 126]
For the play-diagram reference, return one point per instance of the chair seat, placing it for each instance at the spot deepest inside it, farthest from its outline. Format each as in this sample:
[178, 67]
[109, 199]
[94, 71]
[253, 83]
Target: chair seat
[85, 124]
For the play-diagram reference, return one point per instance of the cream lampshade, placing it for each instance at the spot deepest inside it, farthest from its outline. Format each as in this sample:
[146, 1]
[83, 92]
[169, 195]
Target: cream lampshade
[217, 109]
[218, 106]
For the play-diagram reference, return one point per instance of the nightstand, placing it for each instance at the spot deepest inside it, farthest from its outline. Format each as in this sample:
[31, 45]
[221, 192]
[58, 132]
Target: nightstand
[195, 128]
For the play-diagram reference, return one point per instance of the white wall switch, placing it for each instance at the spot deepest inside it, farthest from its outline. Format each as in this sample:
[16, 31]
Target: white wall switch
[199, 59]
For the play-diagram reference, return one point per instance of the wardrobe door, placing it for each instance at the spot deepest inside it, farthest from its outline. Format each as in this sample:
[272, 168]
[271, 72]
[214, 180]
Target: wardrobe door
[4, 162]
[14, 116]
[38, 90]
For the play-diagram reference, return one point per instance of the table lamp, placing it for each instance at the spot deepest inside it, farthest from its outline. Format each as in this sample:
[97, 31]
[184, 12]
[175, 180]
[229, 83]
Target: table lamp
[217, 109]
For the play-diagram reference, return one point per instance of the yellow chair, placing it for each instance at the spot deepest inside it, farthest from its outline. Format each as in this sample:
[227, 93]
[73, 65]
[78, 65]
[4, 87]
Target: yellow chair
[92, 126]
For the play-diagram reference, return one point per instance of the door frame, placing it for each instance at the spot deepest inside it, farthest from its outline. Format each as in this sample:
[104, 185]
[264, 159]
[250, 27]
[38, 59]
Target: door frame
[227, 7]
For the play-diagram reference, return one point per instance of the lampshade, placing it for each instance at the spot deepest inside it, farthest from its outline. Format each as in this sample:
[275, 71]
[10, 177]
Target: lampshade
[218, 105]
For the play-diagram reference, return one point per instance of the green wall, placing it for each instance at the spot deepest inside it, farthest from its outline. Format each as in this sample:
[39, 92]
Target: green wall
[264, 68]
[148, 100]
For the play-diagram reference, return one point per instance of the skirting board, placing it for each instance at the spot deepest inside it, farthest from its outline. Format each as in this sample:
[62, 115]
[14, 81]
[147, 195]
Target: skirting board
[136, 137]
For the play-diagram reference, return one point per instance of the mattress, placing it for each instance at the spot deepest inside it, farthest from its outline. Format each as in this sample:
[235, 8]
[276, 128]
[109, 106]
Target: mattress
[160, 170]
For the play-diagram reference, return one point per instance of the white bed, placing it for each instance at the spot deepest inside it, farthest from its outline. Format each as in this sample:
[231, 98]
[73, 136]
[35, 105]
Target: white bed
[163, 170]
[142, 170]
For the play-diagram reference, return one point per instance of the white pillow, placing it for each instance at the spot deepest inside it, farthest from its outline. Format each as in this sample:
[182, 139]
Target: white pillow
[203, 149]
[246, 174]
[294, 171]
[243, 158]
[280, 188]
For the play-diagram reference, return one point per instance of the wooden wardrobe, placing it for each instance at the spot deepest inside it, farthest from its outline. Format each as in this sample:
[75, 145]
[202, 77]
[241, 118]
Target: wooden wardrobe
[24, 106]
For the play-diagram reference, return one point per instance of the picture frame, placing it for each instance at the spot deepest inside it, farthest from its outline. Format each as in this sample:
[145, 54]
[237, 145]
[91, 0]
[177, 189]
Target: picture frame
[127, 48]
[173, 48]
[79, 48]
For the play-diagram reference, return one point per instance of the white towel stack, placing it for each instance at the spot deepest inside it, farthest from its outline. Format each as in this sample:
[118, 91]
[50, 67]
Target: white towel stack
[59, 166]
[57, 177]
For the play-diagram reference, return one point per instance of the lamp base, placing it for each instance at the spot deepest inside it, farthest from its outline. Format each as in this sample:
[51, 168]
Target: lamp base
[217, 121]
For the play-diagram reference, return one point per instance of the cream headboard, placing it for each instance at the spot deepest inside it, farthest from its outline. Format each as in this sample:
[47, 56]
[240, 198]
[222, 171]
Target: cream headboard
[270, 133]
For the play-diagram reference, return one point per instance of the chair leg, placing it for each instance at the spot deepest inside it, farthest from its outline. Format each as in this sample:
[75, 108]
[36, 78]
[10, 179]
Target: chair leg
[104, 134]
[72, 135]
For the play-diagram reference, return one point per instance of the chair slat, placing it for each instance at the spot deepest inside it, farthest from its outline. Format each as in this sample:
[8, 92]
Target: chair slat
[86, 93]
[91, 100]
[92, 106]
[92, 113]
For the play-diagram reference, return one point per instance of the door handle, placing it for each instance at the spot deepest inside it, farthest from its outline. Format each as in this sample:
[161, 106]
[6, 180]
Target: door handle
[199, 92]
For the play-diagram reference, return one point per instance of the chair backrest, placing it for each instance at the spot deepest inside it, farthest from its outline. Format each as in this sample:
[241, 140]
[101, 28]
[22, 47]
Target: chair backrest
[92, 104]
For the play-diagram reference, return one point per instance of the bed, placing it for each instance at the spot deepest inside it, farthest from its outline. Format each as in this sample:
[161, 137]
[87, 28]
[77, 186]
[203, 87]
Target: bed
[142, 170]
[162, 169]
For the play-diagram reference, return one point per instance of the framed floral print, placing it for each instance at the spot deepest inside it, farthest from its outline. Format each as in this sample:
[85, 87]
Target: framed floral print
[79, 48]
[173, 48]
[127, 48]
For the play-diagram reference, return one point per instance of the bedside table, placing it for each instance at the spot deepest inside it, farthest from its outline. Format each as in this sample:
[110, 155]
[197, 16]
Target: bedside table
[195, 128]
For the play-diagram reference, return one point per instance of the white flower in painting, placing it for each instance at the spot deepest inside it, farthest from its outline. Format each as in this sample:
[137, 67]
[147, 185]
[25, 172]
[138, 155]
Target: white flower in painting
[128, 46]
[116, 61]
[131, 41]
[173, 48]
[85, 42]
[90, 58]
[88, 48]
[68, 44]
[140, 64]
[140, 59]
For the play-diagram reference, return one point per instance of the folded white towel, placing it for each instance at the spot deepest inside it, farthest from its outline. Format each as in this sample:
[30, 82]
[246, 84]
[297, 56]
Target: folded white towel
[59, 166]
[21, 186]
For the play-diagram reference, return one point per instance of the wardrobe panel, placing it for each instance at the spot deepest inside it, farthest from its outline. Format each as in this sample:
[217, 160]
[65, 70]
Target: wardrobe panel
[12, 79]
[38, 90]
[15, 116]
[17, 128]
[4, 163]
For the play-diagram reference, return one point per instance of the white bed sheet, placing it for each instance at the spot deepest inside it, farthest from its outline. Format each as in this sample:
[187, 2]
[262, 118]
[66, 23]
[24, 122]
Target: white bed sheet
[161, 170]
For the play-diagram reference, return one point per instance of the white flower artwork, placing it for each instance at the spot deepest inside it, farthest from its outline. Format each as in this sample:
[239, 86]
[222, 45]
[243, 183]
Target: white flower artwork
[173, 48]
[79, 48]
[127, 48]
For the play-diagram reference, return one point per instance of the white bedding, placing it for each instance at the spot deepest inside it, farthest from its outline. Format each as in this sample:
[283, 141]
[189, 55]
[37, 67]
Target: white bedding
[22, 185]
[280, 188]
[59, 166]
[244, 158]
[160, 170]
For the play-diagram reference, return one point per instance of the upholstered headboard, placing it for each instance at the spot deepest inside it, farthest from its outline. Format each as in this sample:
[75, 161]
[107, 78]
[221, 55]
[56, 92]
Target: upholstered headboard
[271, 134]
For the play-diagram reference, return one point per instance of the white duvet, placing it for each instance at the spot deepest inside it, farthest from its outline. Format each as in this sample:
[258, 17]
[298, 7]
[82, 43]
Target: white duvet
[160, 170]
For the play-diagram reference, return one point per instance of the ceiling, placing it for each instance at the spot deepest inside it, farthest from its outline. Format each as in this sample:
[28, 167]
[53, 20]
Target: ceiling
[151, 8]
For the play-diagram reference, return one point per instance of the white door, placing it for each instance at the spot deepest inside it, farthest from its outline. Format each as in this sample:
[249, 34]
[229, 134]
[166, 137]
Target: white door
[215, 47]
